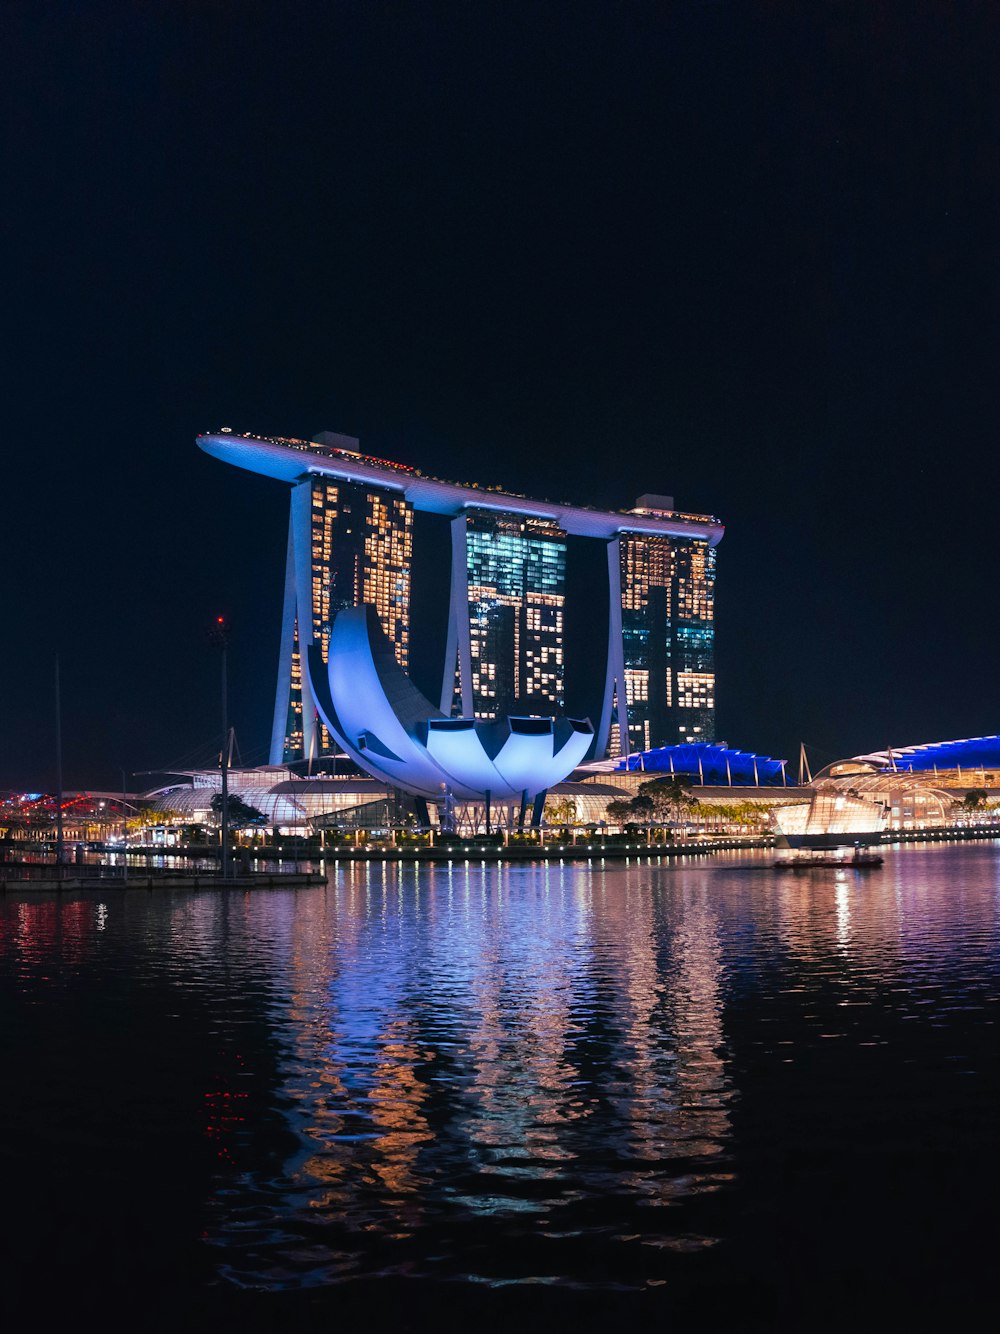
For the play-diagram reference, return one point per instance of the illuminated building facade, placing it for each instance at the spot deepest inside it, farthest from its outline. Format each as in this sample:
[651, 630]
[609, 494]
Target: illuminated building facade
[514, 606]
[351, 543]
[667, 595]
[347, 544]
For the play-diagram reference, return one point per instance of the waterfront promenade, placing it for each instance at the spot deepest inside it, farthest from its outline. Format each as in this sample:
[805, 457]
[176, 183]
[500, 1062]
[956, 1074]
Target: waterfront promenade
[151, 868]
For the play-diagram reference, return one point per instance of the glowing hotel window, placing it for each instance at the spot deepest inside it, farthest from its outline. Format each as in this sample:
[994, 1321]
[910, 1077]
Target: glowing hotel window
[668, 637]
[517, 594]
[360, 546]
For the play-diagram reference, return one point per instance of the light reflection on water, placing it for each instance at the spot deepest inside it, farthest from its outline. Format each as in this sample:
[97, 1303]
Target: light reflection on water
[552, 1072]
[488, 1048]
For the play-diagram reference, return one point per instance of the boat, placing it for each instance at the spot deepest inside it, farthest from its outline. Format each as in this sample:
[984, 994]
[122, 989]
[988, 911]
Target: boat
[833, 828]
[804, 859]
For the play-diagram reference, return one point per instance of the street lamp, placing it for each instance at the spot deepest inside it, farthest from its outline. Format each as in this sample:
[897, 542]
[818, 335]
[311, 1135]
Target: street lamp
[124, 831]
[219, 636]
[60, 845]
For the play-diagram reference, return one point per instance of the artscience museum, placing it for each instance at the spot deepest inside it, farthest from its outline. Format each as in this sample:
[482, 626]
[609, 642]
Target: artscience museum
[383, 722]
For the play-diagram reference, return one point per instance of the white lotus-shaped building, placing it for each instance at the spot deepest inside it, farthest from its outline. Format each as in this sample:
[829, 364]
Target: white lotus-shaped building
[392, 731]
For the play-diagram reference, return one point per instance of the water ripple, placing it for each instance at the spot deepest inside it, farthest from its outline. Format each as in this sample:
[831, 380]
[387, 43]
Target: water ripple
[545, 1075]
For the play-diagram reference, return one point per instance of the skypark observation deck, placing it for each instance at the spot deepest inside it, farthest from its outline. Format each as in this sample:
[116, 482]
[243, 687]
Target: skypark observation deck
[289, 460]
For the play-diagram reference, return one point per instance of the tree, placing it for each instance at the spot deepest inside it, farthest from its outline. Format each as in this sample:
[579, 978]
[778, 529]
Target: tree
[560, 810]
[619, 811]
[149, 815]
[241, 814]
[975, 799]
[669, 798]
[642, 809]
[749, 813]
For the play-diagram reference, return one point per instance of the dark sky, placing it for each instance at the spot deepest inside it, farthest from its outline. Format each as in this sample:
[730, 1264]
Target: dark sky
[741, 253]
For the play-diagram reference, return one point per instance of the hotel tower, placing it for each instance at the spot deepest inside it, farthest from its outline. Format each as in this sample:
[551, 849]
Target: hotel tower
[666, 591]
[350, 541]
[505, 636]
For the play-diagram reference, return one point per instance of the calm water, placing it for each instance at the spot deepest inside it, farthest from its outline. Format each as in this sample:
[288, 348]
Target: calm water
[698, 1089]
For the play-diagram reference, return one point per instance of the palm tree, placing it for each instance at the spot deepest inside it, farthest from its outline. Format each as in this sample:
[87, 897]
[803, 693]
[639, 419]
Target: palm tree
[561, 810]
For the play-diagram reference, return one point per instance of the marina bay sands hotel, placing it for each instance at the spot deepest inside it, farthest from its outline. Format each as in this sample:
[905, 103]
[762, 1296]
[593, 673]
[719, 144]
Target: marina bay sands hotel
[648, 611]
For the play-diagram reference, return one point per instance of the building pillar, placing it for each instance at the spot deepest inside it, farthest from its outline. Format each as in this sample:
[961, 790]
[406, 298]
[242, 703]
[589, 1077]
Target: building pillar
[279, 726]
[302, 544]
[458, 648]
[537, 809]
[616, 661]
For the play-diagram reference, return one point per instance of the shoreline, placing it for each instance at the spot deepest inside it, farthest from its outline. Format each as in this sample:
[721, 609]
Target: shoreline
[82, 878]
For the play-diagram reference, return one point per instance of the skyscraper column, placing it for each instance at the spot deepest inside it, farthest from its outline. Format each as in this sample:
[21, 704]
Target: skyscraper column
[279, 727]
[615, 677]
[301, 543]
[458, 648]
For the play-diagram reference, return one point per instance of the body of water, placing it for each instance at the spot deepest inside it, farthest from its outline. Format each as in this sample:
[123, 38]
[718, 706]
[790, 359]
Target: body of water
[696, 1091]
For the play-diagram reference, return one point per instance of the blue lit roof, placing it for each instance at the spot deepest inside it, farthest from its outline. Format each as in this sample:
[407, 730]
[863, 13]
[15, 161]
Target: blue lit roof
[714, 765]
[980, 752]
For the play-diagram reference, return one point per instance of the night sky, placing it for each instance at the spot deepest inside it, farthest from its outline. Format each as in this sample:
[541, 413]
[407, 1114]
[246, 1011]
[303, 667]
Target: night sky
[741, 253]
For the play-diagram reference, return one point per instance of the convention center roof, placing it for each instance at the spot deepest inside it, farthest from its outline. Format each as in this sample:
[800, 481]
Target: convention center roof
[712, 765]
[981, 752]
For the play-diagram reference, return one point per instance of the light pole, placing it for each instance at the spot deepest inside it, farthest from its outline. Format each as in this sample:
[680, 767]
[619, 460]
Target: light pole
[124, 833]
[220, 637]
[60, 849]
